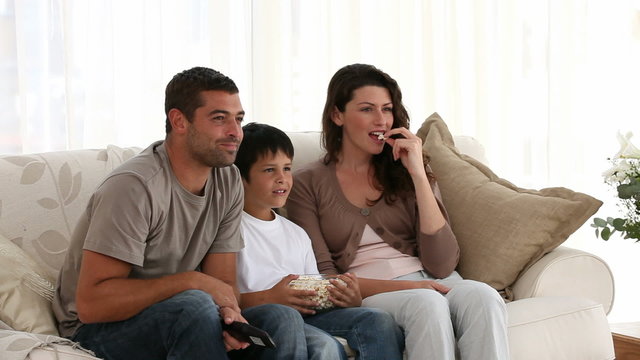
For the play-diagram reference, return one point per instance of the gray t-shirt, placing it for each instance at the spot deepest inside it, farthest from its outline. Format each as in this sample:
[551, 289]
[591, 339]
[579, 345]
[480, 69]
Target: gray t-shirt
[141, 214]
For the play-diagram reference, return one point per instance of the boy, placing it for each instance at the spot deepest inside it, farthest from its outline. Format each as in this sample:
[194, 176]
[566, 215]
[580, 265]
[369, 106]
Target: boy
[275, 248]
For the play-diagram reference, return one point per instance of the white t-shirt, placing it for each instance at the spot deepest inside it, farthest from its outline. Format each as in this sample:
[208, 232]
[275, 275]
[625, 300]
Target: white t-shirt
[273, 249]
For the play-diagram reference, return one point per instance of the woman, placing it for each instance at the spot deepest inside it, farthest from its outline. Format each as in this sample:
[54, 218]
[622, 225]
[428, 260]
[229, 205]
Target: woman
[372, 208]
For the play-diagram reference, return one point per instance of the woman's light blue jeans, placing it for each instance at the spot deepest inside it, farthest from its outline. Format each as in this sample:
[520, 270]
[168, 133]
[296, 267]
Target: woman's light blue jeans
[468, 323]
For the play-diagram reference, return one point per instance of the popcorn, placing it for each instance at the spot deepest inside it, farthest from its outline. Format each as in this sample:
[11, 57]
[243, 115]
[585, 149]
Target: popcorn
[381, 137]
[320, 284]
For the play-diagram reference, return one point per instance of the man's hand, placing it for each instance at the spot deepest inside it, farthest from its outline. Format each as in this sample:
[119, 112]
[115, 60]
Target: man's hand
[222, 293]
[228, 316]
[345, 293]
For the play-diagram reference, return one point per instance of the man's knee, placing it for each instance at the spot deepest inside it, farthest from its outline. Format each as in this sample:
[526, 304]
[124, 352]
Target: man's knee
[192, 311]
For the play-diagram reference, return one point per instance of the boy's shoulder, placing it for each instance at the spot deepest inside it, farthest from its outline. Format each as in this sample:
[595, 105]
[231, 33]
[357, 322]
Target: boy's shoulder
[292, 227]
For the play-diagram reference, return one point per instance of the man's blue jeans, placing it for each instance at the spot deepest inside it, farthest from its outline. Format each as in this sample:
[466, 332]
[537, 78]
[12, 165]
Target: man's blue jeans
[187, 326]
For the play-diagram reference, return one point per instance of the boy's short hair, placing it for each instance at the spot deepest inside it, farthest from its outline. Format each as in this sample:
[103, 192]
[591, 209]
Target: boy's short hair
[260, 140]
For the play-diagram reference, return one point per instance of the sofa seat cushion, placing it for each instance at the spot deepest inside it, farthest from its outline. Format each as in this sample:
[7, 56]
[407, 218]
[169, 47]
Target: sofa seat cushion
[502, 229]
[558, 328]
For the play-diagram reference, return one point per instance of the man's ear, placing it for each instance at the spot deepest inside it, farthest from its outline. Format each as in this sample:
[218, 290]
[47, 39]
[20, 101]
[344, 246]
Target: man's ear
[336, 116]
[178, 121]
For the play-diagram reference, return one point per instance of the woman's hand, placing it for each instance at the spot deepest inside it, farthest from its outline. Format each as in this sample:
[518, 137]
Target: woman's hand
[407, 148]
[433, 285]
[347, 293]
[282, 293]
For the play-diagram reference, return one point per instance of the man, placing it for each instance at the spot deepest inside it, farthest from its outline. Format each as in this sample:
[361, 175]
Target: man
[151, 268]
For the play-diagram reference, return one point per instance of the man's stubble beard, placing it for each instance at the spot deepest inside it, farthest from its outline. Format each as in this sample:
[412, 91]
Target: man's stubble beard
[204, 150]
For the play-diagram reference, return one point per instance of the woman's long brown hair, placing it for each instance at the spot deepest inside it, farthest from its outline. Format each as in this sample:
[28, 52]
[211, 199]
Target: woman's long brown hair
[390, 176]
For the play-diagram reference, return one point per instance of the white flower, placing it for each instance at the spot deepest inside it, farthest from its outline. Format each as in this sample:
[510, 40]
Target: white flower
[627, 149]
[618, 173]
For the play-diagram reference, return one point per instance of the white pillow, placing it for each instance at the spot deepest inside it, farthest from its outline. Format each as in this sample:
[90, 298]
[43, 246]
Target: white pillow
[26, 292]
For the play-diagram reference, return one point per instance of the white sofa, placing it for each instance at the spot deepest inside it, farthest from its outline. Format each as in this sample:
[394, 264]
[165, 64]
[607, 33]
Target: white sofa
[558, 310]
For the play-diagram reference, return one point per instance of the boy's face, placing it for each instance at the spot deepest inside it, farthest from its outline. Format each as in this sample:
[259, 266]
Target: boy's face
[268, 187]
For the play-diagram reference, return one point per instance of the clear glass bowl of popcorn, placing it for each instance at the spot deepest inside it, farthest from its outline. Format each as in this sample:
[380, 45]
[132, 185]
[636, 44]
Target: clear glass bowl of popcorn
[319, 283]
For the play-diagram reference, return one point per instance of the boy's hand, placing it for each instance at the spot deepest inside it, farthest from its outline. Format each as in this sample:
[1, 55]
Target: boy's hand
[282, 293]
[345, 294]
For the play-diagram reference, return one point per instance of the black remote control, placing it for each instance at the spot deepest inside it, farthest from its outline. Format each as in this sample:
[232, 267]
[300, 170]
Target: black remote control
[249, 333]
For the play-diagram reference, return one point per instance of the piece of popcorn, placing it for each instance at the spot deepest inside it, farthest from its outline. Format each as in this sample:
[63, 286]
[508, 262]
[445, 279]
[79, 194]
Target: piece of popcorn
[381, 137]
[320, 284]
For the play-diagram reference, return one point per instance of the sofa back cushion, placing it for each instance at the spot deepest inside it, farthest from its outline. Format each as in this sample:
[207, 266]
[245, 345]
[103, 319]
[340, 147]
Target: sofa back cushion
[42, 197]
[502, 229]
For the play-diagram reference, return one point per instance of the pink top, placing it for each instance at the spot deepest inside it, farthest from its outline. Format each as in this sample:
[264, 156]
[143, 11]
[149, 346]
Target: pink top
[335, 225]
[375, 259]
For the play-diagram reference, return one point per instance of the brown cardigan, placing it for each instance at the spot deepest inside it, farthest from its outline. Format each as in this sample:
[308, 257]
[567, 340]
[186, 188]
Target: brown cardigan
[335, 225]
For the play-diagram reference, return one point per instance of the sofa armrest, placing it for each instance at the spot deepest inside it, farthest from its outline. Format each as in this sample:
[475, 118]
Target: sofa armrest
[567, 272]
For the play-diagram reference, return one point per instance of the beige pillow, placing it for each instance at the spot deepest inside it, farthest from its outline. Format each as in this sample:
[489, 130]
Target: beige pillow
[501, 228]
[25, 292]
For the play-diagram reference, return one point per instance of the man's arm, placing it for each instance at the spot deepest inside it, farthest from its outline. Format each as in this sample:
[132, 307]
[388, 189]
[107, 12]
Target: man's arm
[221, 267]
[105, 293]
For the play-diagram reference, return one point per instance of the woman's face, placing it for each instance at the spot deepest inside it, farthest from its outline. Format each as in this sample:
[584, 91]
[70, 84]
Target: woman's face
[368, 115]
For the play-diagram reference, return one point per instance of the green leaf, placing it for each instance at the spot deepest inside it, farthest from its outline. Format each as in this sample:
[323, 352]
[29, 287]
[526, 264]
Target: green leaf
[597, 233]
[627, 191]
[618, 224]
[606, 233]
[600, 222]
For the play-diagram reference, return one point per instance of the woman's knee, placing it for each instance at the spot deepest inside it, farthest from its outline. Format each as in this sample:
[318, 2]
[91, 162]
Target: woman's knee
[420, 306]
[427, 300]
[475, 295]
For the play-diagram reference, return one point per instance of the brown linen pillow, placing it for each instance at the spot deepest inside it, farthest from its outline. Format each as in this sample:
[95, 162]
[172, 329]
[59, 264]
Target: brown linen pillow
[502, 229]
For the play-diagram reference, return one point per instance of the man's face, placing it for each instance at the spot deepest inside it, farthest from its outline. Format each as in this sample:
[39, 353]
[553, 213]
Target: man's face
[270, 180]
[215, 131]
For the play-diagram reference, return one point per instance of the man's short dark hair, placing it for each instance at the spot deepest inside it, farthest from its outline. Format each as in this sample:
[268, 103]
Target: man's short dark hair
[183, 91]
[260, 140]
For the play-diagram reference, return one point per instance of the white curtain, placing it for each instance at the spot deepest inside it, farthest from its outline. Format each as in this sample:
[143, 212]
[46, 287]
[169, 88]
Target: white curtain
[544, 85]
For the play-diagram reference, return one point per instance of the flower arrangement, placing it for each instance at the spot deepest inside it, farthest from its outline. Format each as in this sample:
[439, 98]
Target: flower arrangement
[624, 176]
